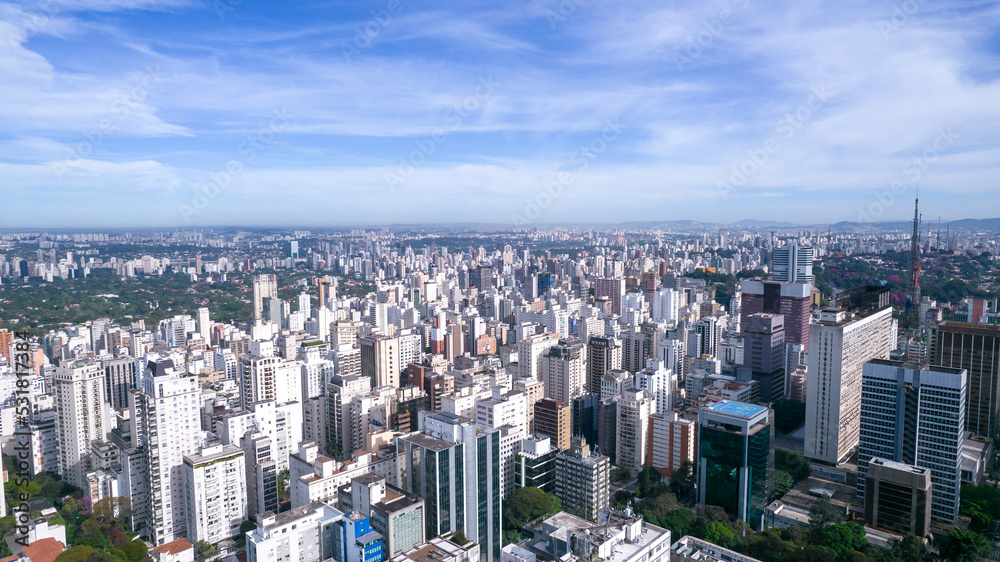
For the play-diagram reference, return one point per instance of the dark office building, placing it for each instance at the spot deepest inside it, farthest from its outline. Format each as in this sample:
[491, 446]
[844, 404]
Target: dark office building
[975, 348]
[899, 497]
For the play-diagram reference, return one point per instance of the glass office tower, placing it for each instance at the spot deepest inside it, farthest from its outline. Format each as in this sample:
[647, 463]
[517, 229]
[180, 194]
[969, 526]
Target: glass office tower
[736, 459]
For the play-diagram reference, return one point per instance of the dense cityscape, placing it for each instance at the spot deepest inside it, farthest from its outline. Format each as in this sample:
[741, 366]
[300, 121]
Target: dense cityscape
[536, 281]
[669, 392]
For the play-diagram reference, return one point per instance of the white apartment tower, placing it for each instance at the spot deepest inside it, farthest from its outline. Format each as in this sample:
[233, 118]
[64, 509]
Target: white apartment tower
[634, 410]
[216, 487]
[82, 415]
[165, 409]
[564, 372]
[839, 345]
[264, 286]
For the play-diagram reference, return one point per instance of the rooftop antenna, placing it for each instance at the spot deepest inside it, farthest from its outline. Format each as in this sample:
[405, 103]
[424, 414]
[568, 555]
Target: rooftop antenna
[915, 255]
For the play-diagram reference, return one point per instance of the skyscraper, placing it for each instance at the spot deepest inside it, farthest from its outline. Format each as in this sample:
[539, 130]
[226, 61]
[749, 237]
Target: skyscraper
[581, 480]
[634, 409]
[736, 459]
[764, 353]
[165, 410]
[915, 415]
[215, 481]
[553, 418]
[840, 343]
[264, 286]
[82, 416]
[975, 348]
[793, 263]
[791, 300]
[119, 378]
[563, 371]
[454, 464]
[614, 289]
[603, 355]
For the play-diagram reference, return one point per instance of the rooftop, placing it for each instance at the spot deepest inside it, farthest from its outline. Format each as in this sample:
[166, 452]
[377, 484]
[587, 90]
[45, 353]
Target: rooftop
[737, 409]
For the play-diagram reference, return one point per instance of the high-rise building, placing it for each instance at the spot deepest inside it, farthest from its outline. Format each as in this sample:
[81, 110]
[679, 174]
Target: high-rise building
[380, 360]
[634, 409]
[82, 415]
[215, 482]
[585, 417]
[614, 289]
[635, 350]
[914, 414]
[6, 341]
[764, 353]
[530, 352]
[791, 300]
[898, 497]
[307, 534]
[666, 306]
[269, 379]
[165, 410]
[582, 479]
[454, 464]
[553, 418]
[673, 442]
[324, 290]
[603, 355]
[563, 371]
[839, 345]
[119, 378]
[394, 514]
[975, 348]
[736, 459]
[535, 464]
[204, 323]
[655, 381]
[793, 263]
[264, 286]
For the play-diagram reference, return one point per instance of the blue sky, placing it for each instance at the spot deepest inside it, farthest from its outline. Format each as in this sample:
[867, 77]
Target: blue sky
[194, 112]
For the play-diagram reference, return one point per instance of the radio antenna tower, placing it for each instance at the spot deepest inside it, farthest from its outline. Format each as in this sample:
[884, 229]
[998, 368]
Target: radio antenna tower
[915, 256]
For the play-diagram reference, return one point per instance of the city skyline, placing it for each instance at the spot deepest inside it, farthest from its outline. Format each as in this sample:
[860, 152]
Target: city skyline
[566, 113]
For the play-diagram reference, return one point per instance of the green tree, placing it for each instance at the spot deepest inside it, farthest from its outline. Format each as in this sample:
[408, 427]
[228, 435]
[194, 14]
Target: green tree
[80, 553]
[718, 531]
[824, 513]
[527, 504]
[783, 482]
[136, 551]
[981, 504]
[841, 538]
[680, 522]
[966, 546]
[792, 463]
[911, 549]
[683, 481]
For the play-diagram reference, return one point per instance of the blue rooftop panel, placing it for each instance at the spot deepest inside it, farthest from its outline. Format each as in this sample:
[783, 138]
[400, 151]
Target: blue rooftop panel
[737, 409]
